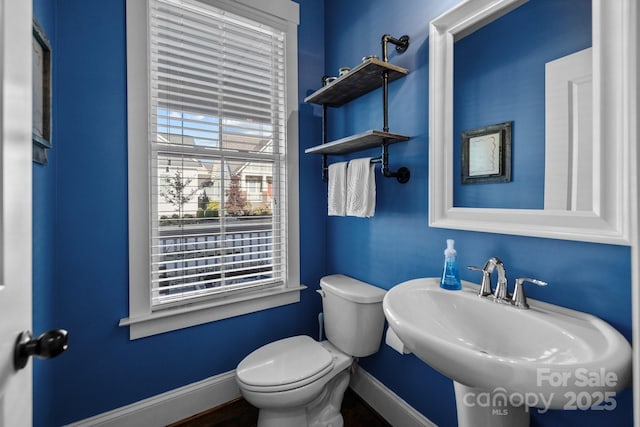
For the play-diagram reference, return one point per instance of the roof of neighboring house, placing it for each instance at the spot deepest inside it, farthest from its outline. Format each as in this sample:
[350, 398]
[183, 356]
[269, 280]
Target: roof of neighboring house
[230, 141]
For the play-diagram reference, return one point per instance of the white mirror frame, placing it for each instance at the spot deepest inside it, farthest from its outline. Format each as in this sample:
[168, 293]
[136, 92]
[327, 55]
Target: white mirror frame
[614, 82]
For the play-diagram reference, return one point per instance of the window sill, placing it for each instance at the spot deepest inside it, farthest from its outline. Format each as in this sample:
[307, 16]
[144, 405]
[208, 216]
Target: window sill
[196, 314]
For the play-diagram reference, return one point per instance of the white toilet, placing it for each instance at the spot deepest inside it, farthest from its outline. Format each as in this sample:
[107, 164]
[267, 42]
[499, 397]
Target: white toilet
[297, 381]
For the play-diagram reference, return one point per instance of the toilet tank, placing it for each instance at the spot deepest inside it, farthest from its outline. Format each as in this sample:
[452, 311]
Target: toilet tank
[353, 316]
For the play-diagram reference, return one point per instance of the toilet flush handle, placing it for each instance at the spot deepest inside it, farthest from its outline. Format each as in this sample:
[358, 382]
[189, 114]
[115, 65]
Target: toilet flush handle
[321, 292]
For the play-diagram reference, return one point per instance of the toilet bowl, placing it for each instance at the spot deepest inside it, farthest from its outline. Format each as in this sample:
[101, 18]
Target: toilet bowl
[297, 381]
[286, 380]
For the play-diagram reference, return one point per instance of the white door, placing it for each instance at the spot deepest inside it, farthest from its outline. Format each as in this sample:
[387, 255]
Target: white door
[15, 206]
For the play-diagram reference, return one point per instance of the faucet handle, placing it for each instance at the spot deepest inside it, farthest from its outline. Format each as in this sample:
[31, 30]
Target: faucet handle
[485, 286]
[519, 299]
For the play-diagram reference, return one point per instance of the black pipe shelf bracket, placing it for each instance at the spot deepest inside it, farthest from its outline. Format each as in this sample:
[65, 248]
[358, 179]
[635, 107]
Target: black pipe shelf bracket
[371, 74]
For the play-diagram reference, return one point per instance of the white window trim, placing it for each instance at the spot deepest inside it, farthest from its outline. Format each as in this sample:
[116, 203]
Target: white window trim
[142, 321]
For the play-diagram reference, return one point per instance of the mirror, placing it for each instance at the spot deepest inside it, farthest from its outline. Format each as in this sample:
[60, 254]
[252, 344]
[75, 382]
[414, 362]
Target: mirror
[603, 217]
[499, 76]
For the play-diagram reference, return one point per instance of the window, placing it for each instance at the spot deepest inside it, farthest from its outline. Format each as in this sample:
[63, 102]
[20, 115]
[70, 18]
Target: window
[254, 190]
[212, 100]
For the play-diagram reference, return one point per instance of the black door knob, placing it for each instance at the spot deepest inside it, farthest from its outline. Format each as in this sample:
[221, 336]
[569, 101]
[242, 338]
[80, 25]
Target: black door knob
[48, 345]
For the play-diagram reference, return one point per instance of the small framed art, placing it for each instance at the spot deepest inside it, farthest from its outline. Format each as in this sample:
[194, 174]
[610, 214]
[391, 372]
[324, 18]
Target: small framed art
[486, 154]
[41, 107]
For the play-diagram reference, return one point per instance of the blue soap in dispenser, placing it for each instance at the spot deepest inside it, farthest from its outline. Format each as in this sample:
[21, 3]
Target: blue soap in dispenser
[450, 276]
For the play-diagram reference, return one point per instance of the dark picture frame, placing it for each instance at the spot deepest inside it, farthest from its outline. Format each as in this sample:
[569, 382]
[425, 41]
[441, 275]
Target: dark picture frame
[486, 154]
[41, 107]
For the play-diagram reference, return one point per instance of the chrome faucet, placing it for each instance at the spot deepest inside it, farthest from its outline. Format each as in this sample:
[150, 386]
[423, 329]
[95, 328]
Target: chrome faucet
[501, 294]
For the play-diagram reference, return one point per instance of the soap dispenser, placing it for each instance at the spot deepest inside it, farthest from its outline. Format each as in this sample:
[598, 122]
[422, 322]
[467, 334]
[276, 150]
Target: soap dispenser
[450, 276]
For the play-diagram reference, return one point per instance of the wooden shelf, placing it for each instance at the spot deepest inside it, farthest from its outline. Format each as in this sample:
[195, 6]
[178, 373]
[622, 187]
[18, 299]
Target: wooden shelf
[360, 80]
[361, 141]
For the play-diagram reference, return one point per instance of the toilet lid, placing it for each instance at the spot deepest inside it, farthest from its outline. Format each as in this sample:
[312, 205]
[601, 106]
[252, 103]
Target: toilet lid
[282, 362]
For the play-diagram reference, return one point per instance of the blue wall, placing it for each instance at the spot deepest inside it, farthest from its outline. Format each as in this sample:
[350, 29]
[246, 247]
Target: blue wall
[80, 223]
[398, 245]
[44, 251]
[80, 231]
[507, 83]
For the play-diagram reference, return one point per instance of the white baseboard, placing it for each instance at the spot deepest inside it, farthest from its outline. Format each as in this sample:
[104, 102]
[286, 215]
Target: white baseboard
[392, 407]
[183, 402]
[172, 406]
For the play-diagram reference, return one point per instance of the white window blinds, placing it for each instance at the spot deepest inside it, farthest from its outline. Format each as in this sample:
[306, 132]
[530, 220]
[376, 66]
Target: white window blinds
[218, 159]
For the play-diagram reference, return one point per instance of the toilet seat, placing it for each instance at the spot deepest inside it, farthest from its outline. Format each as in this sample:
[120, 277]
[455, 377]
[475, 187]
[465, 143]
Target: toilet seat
[284, 365]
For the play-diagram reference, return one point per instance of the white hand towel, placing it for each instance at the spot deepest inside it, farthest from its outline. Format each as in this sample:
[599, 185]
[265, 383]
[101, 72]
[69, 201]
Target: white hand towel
[337, 191]
[361, 188]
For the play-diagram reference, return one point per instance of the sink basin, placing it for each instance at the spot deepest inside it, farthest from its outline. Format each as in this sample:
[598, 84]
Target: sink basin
[547, 353]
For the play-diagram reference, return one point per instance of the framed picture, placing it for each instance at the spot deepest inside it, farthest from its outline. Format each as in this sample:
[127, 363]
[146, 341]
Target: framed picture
[41, 63]
[486, 154]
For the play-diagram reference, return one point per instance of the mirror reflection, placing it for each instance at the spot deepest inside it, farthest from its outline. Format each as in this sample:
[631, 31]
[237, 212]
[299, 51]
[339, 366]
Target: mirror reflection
[501, 74]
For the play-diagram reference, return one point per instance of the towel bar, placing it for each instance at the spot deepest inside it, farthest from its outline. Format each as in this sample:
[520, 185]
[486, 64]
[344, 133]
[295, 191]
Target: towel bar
[403, 174]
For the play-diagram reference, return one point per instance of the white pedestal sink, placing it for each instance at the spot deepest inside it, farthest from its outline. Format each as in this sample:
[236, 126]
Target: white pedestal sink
[505, 360]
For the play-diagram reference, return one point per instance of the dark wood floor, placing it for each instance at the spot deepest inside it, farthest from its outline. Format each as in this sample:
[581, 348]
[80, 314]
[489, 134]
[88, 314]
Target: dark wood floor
[240, 413]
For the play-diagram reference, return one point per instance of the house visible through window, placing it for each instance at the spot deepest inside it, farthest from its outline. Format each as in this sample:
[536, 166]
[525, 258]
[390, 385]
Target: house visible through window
[218, 182]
